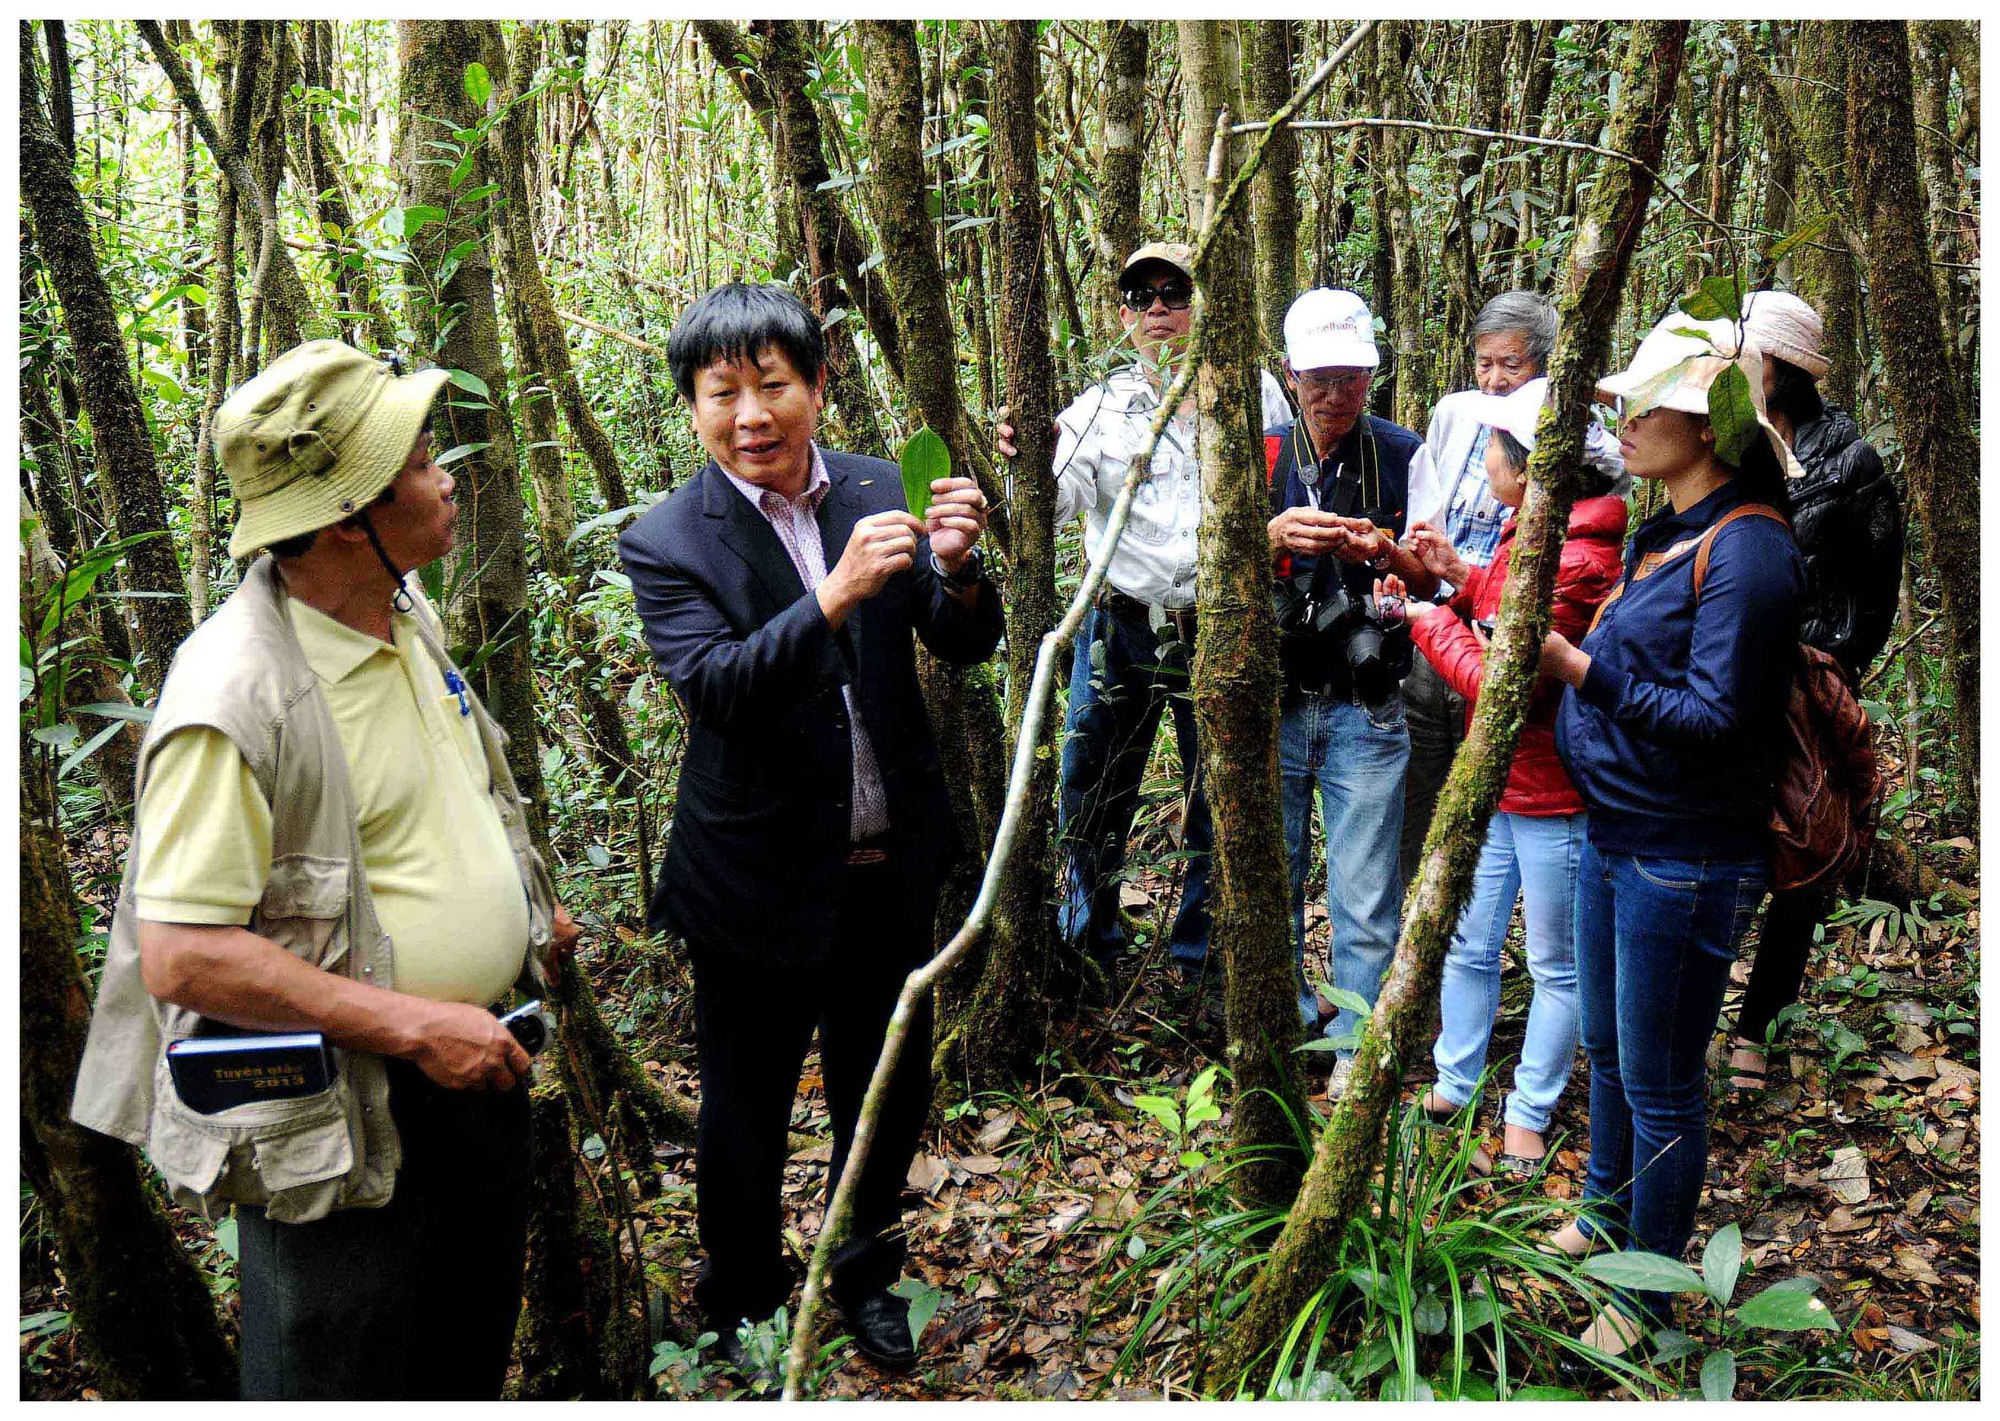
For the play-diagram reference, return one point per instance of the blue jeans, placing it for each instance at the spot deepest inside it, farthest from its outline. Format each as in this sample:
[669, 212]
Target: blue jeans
[1355, 757]
[1655, 939]
[1532, 857]
[1114, 714]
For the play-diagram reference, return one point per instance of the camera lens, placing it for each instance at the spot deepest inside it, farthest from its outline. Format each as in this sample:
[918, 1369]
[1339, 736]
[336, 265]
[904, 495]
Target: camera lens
[531, 1031]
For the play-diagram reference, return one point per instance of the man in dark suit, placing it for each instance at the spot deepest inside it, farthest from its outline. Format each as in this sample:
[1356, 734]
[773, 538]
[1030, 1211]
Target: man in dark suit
[778, 591]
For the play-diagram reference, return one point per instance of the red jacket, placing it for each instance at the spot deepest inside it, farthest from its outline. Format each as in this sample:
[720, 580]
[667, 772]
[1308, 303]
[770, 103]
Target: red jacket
[1590, 568]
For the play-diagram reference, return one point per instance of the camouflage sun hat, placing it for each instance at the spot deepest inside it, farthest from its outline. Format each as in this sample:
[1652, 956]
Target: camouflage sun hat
[315, 437]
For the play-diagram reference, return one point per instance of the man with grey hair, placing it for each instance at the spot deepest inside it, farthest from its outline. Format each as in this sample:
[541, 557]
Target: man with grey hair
[1512, 338]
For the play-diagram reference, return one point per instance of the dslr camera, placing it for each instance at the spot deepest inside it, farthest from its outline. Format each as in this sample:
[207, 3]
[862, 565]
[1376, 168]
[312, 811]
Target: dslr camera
[1327, 636]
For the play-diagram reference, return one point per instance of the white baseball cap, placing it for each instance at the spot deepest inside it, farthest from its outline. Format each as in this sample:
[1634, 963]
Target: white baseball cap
[1329, 328]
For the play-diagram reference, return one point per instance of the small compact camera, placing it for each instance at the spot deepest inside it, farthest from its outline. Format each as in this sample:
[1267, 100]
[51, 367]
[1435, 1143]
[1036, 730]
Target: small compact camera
[530, 1026]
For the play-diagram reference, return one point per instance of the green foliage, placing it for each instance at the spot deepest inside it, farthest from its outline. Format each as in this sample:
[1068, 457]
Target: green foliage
[925, 458]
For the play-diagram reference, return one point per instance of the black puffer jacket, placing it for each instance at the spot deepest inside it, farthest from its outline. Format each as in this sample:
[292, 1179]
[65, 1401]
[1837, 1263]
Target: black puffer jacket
[1848, 521]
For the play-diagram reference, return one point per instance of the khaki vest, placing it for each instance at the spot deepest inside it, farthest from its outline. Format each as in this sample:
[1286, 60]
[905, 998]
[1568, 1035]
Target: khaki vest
[243, 673]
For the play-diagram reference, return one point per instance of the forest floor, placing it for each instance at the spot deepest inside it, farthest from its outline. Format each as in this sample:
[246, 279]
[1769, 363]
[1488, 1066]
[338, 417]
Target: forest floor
[1859, 1167]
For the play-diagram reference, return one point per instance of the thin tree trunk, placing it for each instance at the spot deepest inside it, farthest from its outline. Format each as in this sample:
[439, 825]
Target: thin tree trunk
[895, 187]
[1005, 1007]
[126, 468]
[355, 297]
[1930, 88]
[276, 281]
[1235, 672]
[1274, 193]
[1336, 1186]
[829, 229]
[1416, 379]
[1940, 451]
[531, 315]
[62, 105]
[1119, 226]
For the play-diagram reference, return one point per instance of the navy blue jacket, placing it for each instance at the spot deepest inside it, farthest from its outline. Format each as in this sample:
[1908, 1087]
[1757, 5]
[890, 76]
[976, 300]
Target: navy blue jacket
[760, 831]
[1357, 478]
[1674, 737]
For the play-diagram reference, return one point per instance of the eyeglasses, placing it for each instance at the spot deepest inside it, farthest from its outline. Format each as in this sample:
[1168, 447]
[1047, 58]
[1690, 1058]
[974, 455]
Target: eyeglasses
[1336, 384]
[1174, 295]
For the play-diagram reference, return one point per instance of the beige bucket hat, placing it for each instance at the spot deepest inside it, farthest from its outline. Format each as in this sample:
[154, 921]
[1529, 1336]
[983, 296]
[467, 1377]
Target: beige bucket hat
[1679, 360]
[315, 437]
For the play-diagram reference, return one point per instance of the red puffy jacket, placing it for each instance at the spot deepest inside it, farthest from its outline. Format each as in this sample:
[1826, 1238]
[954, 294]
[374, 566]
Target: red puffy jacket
[1590, 568]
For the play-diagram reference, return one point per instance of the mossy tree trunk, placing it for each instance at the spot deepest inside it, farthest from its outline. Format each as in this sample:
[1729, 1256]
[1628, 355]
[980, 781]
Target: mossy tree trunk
[126, 467]
[838, 240]
[542, 351]
[459, 320]
[581, 1336]
[144, 1318]
[1825, 270]
[1933, 423]
[1235, 672]
[961, 699]
[1336, 1186]
[1004, 1012]
[1118, 234]
[829, 236]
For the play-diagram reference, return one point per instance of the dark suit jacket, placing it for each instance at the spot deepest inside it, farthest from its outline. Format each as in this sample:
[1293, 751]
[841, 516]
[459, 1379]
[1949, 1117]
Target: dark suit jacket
[761, 819]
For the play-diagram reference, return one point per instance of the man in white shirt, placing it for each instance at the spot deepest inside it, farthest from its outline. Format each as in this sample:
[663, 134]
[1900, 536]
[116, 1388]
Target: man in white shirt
[1133, 653]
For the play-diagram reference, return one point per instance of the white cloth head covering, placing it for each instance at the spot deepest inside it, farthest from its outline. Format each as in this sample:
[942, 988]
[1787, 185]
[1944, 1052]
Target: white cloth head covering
[1787, 328]
[1677, 362]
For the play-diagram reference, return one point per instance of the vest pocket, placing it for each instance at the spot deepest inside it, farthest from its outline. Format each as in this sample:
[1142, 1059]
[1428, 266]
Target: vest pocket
[304, 906]
[290, 1156]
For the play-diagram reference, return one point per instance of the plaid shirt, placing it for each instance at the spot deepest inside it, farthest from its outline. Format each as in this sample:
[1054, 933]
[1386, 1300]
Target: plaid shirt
[796, 522]
[1473, 517]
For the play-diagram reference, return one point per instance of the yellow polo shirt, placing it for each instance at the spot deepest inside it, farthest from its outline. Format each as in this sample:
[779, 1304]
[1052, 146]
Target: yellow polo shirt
[444, 880]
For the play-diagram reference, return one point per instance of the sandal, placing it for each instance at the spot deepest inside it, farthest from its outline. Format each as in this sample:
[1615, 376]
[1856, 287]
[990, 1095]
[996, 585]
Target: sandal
[1747, 1066]
[1572, 1242]
[1516, 1165]
[1611, 1334]
[1439, 1113]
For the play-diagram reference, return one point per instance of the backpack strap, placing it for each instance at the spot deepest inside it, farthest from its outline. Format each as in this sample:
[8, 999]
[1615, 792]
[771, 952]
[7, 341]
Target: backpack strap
[1652, 562]
[1707, 544]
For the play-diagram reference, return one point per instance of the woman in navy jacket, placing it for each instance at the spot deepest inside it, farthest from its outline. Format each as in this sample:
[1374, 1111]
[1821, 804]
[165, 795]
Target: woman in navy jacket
[1671, 731]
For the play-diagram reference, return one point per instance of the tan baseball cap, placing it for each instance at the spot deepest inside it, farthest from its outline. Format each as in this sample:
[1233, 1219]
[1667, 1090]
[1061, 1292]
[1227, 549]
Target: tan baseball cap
[315, 437]
[1178, 255]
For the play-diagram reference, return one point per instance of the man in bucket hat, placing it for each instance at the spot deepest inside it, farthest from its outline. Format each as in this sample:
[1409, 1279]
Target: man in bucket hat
[327, 840]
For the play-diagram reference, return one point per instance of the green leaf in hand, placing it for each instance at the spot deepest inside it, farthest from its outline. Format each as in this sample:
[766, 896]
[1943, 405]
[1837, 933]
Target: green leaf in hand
[925, 458]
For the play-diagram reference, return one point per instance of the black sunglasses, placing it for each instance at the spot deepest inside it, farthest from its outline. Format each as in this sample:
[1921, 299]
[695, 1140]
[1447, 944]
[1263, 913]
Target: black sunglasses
[1175, 295]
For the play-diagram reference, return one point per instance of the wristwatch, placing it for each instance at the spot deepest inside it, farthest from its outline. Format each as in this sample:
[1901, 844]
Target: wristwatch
[968, 574]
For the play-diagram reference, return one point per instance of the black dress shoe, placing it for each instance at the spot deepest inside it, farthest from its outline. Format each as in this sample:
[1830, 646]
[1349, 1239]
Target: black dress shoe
[880, 1322]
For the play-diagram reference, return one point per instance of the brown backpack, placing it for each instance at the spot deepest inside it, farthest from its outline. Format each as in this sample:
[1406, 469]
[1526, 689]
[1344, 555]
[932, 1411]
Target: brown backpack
[1823, 818]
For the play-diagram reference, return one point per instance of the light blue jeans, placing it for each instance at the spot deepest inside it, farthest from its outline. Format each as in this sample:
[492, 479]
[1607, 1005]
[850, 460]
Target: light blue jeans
[1533, 858]
[1355, 757]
